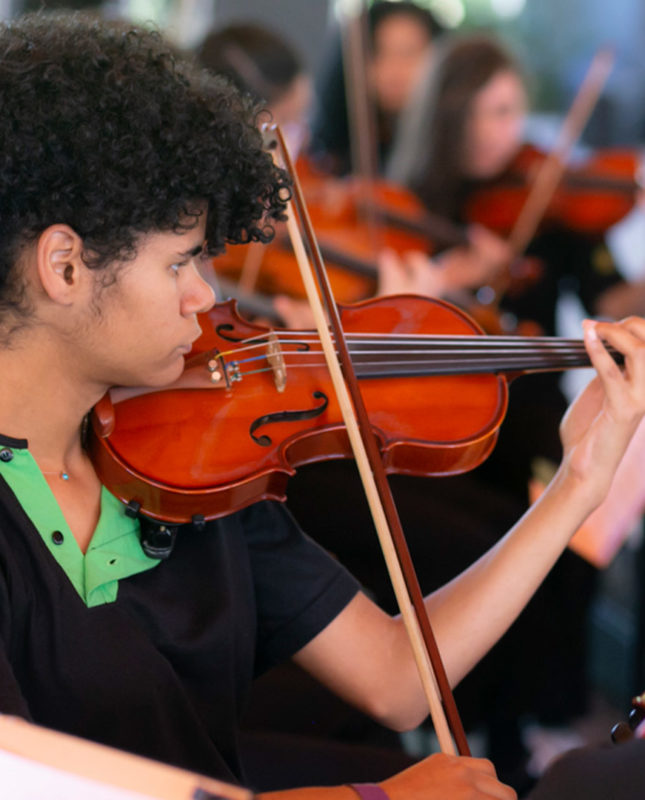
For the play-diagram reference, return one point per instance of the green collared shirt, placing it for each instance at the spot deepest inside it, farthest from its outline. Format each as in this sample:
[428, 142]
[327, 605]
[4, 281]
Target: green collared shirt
[114, 551]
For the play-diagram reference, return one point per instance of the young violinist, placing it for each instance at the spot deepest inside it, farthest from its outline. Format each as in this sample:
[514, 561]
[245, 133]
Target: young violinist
[121, 167]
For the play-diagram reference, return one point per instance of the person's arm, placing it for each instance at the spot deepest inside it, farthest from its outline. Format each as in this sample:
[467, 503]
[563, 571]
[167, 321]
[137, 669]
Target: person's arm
[595, 772]
[460, 269]
[364, 655]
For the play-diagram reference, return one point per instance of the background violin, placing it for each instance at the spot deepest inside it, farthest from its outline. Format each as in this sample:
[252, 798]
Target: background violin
[590, 197]
[354, 221]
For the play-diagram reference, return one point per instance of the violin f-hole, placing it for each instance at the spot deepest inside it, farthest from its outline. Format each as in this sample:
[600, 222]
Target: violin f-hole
[286, 416]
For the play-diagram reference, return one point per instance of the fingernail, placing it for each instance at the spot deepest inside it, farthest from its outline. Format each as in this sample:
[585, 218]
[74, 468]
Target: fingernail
[589, 328]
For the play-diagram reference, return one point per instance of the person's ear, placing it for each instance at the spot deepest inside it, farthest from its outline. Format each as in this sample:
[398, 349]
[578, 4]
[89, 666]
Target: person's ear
[60, 264]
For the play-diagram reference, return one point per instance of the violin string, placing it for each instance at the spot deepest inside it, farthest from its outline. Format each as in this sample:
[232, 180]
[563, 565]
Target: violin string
[303, 337]
[493, 362]
[439, 336]
[422, 356]
[285, 333]
[490, 369]
[490, 365]
[424, 347]
[490, 344]
[478, 341]
[470, 348]
[314, 358]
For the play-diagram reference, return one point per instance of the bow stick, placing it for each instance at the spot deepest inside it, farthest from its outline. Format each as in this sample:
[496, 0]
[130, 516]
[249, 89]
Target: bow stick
[360, 109]
[550, 173]
[435, 684]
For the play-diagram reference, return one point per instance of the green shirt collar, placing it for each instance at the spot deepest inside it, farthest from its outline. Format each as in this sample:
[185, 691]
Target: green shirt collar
[114, 551]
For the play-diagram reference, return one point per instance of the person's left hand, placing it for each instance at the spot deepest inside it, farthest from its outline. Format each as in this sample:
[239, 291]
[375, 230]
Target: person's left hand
[296, 314]
[412, 272]
[600, 423]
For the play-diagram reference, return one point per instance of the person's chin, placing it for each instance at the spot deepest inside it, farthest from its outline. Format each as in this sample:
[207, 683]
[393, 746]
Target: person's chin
[169, 373]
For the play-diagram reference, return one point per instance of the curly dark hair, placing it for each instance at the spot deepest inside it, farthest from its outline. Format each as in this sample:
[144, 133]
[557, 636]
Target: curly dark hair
[104, 129]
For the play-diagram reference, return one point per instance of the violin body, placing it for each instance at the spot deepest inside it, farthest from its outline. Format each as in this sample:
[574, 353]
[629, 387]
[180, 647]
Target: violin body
[590, 198]
[213, 450]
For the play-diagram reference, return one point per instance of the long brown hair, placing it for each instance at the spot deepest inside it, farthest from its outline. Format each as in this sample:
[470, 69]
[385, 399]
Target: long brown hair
[427, 156]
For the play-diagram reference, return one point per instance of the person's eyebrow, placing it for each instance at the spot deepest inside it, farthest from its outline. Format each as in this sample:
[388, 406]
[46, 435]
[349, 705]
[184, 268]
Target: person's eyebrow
[194, 251]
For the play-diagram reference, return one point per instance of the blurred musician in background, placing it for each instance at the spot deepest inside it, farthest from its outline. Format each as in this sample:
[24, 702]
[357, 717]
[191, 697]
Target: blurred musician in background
[263, 64]
[401, 43]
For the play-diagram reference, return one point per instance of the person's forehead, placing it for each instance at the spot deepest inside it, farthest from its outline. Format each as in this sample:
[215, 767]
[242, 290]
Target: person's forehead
[176, 241]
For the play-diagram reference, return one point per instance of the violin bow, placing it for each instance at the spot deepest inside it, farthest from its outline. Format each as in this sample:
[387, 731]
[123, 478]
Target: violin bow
[441, 703]
[550, 173]
[360, 110]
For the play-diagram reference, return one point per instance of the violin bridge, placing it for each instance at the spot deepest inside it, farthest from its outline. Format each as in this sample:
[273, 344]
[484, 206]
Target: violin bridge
[276, 362]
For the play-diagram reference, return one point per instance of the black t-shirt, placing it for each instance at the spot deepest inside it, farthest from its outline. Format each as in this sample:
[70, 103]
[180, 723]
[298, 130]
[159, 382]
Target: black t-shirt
[570, 263]
[165, 670]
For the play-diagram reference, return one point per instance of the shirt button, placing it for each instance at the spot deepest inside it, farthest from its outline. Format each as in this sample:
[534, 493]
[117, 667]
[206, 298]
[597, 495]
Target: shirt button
[57, 537]
[6, 454]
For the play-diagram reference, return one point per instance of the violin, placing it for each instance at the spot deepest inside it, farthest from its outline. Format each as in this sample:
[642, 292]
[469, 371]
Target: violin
[255, 403]
[354, 221]
[381, 204]
[590, 198]
[272, 269]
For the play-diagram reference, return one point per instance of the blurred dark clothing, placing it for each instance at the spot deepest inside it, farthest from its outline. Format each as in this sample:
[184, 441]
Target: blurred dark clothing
[601, 772]
[297, 733]
[571, 263]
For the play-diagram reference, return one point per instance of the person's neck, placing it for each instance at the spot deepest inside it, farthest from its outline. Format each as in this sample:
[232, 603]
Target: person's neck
[44, 401]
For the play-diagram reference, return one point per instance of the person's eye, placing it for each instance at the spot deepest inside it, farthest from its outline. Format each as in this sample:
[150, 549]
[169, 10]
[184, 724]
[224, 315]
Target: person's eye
[176, 267]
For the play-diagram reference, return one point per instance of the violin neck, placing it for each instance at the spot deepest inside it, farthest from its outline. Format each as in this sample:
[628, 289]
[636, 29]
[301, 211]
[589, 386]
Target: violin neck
[442, 232]
[465, 355]
[359, 266]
